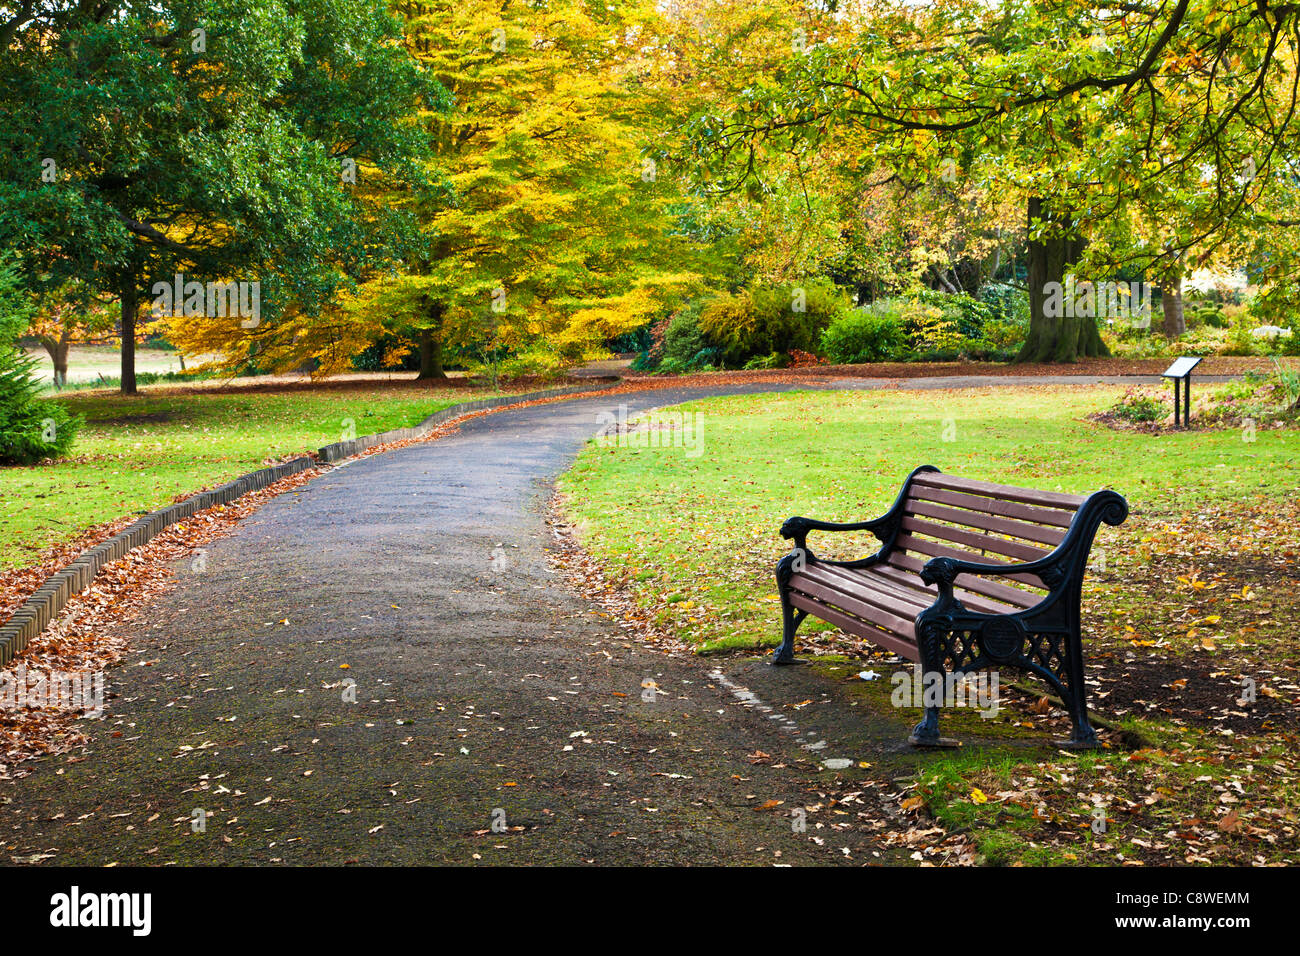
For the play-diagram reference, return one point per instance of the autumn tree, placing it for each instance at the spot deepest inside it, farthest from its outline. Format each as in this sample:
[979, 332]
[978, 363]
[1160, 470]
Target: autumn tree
[787, 215]
[1085, 111]
[851, 205]
[545, 221]
[65, 317]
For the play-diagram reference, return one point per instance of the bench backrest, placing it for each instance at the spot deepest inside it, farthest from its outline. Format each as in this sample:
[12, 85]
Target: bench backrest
[947, 516]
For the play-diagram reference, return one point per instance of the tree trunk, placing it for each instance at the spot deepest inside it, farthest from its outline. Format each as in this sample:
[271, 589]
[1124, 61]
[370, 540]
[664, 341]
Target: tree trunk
[1061, 337]
[1171, 303]
[130, 306]
[944, 284]
[992, 274]
[430, 356]
[431, 348]
[58, 352]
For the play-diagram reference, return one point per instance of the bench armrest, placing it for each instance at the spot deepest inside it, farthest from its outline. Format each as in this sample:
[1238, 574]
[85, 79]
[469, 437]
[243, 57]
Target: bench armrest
[799, 527]
[885, 527]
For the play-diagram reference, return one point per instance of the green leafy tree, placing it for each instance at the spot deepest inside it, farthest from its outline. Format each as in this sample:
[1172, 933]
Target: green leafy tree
[208, 138]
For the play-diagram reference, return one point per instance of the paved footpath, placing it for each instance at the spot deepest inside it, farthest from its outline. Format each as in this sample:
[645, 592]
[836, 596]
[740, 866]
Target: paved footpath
[483, 694]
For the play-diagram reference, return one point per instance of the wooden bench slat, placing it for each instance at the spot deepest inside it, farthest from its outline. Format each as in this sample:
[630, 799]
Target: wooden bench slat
[903, 591]
[866, 605]
[976, 602]
[1050, 499]
[1054, 517]
[988, 522]
[872, 589]
[974, 539]
[885, 639]
[910, 565]
[934, 549]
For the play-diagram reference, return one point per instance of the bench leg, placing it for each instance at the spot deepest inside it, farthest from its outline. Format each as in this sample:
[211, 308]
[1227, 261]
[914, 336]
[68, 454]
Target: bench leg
[1076, 697]
[791, 617]
[930, 648]
[926, 733]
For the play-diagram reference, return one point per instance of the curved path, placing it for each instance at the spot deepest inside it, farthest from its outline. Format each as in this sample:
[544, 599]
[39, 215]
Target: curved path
[486, 694]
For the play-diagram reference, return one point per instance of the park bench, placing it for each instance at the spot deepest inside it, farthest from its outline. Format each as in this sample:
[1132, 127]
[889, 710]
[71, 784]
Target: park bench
[931, 595]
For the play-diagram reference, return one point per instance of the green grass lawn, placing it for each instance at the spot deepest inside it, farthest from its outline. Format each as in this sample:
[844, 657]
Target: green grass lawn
[135, 454]
[1194, 593]
[702, 531]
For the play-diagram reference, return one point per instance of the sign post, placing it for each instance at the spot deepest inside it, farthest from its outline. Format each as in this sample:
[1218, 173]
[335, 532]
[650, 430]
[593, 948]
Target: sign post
[1181, 371]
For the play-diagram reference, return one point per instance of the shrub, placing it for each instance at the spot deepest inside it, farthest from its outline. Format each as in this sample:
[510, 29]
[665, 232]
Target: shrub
[637, 340]
[933, 334]
[15, 309]
[1200, 315]
[1006, 303]
[1215, 318]
[675, 343]
[1240, 341]
[685, 348]
[650, 357]
[938, 326]
[1139, 407]
[775, 360]
[1287, 380]
[535, 361]
[1266, 400]
[967, 315]
[768, 319]
[1129, 343]
[800, 359]
[1288, 346]
[30, 429]
[862, 336]
[1002, 336]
